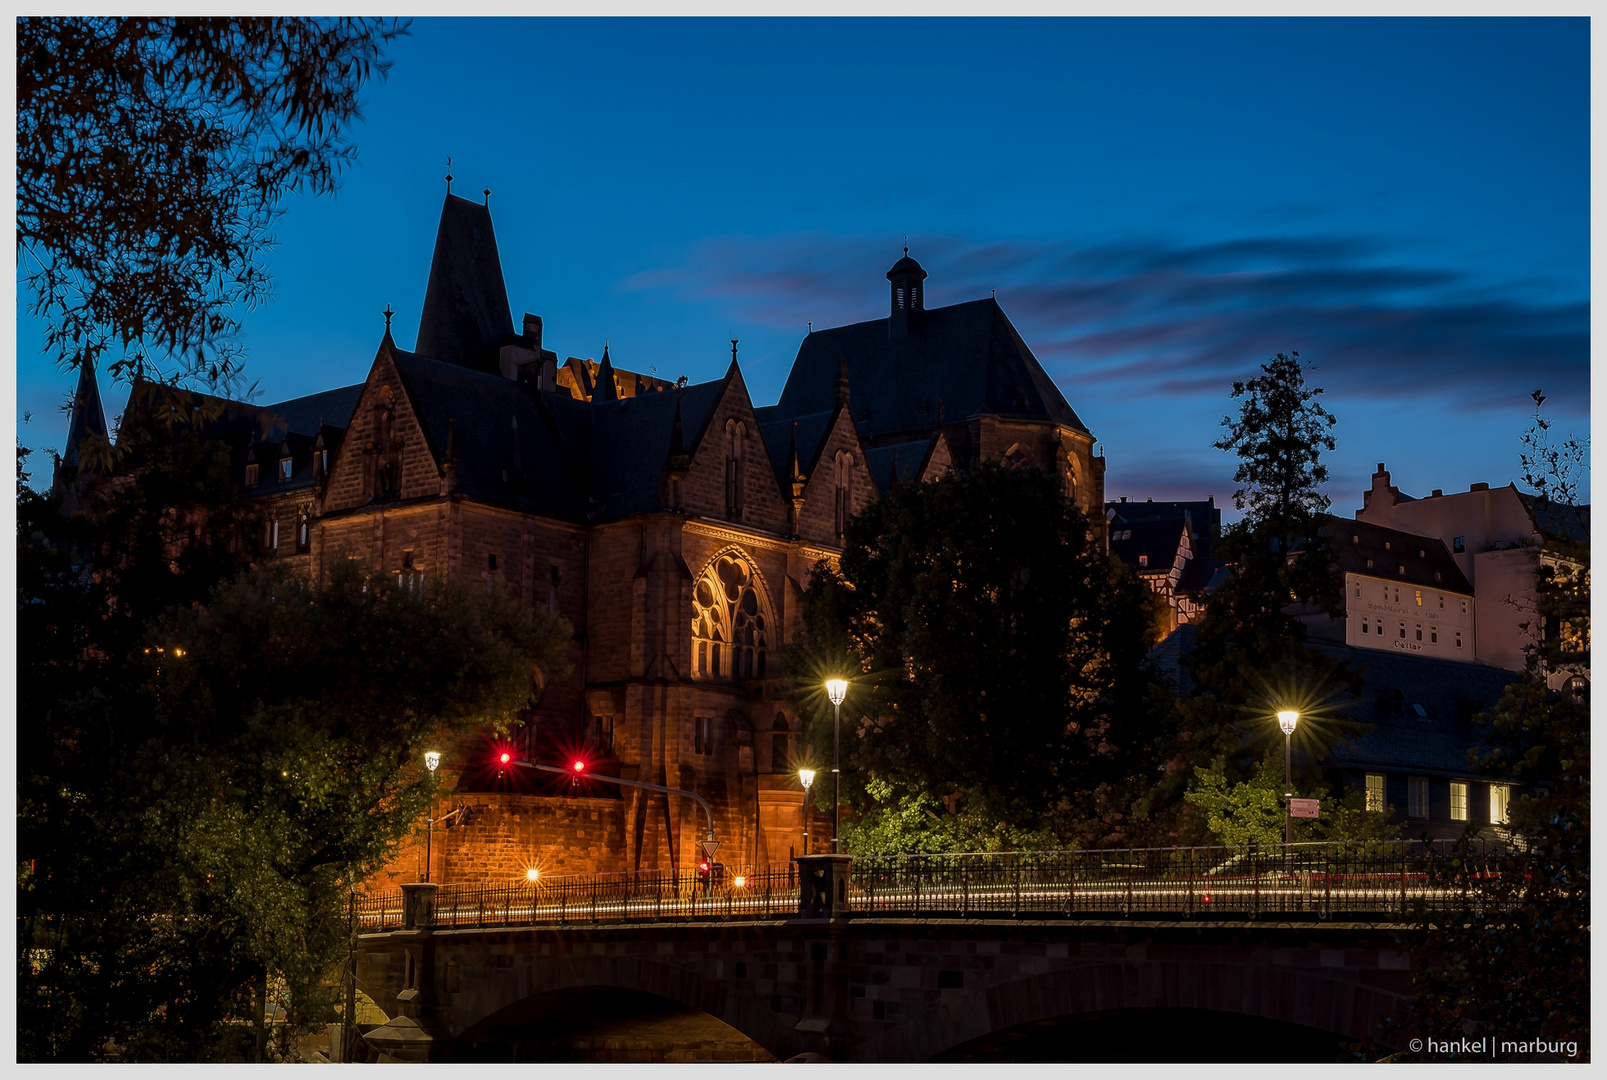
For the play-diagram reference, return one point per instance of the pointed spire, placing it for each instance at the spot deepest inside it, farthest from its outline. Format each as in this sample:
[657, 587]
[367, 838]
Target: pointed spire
[605, 390]
[465, 318]
[842, 379]
[88, 415]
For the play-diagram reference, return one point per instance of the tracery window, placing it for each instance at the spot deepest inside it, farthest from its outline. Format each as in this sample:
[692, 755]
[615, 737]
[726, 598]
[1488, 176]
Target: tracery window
[730, 627]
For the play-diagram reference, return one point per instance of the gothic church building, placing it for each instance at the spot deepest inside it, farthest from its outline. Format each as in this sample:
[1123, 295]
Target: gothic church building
[674, 527]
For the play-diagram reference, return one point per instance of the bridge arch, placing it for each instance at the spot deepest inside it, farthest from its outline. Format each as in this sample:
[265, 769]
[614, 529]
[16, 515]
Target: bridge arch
[1308, 997]
[741, 1011]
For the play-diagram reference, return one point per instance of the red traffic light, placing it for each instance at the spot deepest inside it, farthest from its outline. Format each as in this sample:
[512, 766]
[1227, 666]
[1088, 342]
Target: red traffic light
[703, 866]
[579, 767]
[505, 757]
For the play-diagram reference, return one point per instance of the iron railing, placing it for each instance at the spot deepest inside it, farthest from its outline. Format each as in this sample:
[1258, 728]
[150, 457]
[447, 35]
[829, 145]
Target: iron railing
[1312, 880]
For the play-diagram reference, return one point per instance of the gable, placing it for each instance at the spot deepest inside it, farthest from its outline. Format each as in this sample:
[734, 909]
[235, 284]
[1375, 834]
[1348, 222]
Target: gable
[386, 434]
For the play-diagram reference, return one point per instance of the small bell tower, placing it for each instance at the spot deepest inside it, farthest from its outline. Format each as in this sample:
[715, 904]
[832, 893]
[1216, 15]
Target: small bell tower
[906, 277]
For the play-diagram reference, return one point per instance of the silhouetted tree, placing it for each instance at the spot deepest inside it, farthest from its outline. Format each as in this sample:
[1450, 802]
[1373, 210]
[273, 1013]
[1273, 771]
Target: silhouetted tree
[153, 157]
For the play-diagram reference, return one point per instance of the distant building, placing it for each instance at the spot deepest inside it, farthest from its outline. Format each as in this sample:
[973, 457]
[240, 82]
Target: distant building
[1497, 538]
[1168, 544]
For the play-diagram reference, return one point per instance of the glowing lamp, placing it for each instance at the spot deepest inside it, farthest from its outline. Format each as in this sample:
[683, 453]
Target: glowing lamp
[739, 881]
[532, 874]
[432, 761]
[1287, 719]
[836, 690]
[806, 777]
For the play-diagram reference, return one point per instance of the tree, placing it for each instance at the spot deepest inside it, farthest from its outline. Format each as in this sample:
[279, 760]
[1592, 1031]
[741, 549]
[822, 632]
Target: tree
[997, 653]
[1513, 958]
[1248, 657]
[1252, 812]
[153, 158]
[199, 784]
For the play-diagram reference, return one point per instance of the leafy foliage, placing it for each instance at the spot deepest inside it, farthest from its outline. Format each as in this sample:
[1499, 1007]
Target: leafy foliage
[1252, 811]
[913, 822]
[994, 651]
[1514, 958]
[211, 753]
[153, 157]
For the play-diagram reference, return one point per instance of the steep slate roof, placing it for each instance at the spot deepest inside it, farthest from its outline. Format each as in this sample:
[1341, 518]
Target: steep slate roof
[307, 415]
[524, 466]
[631, 439]
[466, 317]
[968, 357]
[1558, 521]
[1436, 744]
[776, 430]
[911, 457]
[1407, 558]
[1157, 539]
[1451, 694]
[1206, 518]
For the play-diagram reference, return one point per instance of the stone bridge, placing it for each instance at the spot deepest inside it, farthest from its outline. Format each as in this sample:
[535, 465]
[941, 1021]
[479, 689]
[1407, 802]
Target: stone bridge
[874, 987]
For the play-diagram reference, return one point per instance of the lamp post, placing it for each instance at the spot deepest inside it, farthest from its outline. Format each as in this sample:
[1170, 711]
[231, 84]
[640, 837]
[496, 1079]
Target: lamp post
[432, 761]
[806, 777]
[836, 689]
[1287, 719]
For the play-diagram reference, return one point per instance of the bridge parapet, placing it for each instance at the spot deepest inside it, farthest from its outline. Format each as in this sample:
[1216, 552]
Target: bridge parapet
[1300, 881]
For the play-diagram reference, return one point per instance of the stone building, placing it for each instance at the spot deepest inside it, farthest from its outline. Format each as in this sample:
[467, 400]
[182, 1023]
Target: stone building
[674, 527]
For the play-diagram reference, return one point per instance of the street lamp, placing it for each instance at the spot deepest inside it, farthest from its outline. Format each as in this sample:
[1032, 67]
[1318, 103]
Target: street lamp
[806, 777]
[1287, 719]
[432, 761]
[836, 689]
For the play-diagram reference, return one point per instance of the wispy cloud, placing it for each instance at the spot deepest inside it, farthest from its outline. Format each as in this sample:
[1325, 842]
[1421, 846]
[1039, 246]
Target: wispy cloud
[1183, 320]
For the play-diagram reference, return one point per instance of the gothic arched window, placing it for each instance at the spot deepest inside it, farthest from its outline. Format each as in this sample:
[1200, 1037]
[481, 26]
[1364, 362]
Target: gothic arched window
[1068, 478]
[844, 490]
[730, 626]
[735, 452]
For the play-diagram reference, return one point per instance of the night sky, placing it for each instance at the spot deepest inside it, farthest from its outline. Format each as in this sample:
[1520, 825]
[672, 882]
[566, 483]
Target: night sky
[1161, 204]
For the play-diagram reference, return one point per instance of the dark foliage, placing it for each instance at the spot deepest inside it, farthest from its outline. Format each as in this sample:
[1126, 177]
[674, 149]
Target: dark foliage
[210, 753]
[153, 157]
[996, 655]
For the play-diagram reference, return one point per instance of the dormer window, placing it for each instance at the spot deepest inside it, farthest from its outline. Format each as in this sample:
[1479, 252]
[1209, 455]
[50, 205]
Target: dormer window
[251, 475]
[286, 468]
[1143, 560]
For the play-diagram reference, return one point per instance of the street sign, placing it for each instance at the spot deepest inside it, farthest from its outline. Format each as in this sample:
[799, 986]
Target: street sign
[1304, 807]
[711, 846]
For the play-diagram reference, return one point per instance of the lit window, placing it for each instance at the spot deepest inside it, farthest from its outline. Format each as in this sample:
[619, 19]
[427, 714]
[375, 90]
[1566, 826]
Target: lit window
[1143, 560]
[1417, 796]
[730, 628]
[1419, 597]
[1500, 799]
[1370, 566]
[286, 467]
[1386, 545]
[1375, 793]
[1459, 800]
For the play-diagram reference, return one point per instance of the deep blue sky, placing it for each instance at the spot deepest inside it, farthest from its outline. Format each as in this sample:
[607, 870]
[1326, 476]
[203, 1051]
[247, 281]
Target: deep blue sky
[1160, 203]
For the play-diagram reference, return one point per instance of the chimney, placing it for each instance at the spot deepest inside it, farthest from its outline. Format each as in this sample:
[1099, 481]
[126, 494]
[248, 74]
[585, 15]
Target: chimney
[1479, 487]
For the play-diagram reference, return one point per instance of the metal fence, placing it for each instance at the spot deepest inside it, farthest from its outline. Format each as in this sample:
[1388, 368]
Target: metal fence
[1310, 880]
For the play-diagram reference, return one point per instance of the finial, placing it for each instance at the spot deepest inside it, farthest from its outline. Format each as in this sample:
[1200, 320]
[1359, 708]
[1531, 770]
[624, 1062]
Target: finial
[449, 174]
[906, 243]
[387, 313]
[487, 194]
[811, 326]
[733, 350]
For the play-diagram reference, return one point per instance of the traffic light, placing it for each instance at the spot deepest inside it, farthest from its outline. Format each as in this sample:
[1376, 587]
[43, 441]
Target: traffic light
[504, 758]
[704, 870]
[578, 767]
